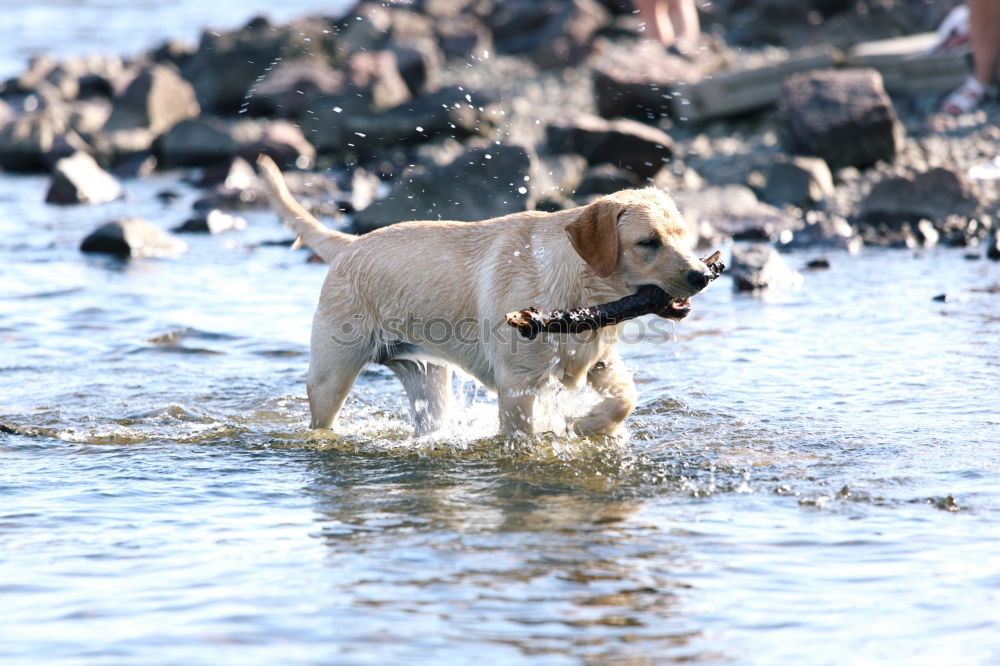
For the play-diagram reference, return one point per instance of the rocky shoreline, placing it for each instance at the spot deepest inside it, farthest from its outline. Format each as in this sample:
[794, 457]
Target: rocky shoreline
[468, 109]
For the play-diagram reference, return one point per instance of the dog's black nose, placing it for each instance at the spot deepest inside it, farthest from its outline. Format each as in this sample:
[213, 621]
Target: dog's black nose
[697, 279]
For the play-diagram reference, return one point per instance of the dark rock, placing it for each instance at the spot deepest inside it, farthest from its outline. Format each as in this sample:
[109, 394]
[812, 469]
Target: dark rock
[452, 112]
[79, 179]
[168, 196]
[551, 32]
[800, 181]
[197, 142]
[843, 116]
[132, 237]
[639, 84]
[213, 222]
[818, 264]
[933, 195]
[232, 198]
[279, 139]
[36, 141]
[237, 173]
[554, 204]
[481, 183]
[606, 179]
[293, 87]
[624, 143]
[993, 246]
[157, 99]
[374, 77]
[756, 267]
[463, 36]
[941, 298]
[419, 63]
[735, 212]
[226, 65]
[139, 165]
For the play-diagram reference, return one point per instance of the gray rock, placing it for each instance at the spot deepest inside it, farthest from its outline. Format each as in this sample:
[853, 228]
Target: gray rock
[237, 173]
[605, 179]
[293, 87]
[449, 112]
[197, 142]
[800, 181]
[844, 116]
[734, 211]
[552, 33]
[280, 139]
[6, 113]
[639, 84]
[557, 176]
[933, 195]
[757, 266]
[226, 65]
[993, 246]
[132, 237]
[628, 144]
[481, 183]
[36, 141]
[825, 231]
[419, 62]
[213, 222]
[156, 100]
[463, 36]
[79, 179]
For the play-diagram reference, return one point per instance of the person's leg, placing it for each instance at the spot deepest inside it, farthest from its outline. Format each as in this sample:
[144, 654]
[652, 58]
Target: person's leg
[984, 33]
[656, 17]
[684, 19]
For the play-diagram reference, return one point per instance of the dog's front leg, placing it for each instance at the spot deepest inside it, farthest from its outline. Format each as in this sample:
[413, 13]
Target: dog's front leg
[610, 379]
[516, 411]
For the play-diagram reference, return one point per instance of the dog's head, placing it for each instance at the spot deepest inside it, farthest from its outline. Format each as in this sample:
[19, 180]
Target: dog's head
[638, 237]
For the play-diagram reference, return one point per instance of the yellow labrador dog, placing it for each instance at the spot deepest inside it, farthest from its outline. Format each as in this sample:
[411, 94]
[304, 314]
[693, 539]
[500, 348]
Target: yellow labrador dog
[422, 296]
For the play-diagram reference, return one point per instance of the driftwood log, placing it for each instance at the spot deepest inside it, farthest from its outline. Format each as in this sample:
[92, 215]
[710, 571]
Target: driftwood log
[649, 299]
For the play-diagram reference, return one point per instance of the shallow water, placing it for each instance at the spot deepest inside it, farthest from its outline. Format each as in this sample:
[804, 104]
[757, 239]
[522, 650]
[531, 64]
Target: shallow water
[810, 478]
[127, 27]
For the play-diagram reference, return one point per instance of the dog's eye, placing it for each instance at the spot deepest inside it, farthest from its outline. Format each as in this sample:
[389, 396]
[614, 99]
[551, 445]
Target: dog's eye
[651, 243]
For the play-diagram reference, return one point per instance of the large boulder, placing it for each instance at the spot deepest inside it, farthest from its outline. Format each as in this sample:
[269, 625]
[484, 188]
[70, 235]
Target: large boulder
[197, 142]
[481, 183]
[844, 116]
[605, 179]
[553, 33]
[79, 179]
[932, 195]
[639, 83]
[628, 144]
[227, 65]
[157, 99]
[756, 266]
[132, 237]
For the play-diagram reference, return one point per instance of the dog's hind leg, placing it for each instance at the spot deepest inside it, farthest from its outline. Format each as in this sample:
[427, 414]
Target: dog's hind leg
[609, 378]
[428, 386]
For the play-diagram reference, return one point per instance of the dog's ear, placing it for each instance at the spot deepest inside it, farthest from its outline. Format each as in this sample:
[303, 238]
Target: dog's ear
[594, 235]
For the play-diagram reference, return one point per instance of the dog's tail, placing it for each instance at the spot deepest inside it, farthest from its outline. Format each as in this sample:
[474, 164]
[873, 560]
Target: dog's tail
[325, 242]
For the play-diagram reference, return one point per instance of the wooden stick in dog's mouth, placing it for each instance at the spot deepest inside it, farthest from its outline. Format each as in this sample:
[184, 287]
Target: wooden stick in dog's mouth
[649, 299]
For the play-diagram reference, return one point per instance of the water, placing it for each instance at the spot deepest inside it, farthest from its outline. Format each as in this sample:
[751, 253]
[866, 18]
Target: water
[78, 27]
[809, 477]
[815, 468]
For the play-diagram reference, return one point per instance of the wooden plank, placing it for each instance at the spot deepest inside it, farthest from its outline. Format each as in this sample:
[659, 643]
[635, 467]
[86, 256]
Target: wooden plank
[738, 92]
